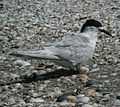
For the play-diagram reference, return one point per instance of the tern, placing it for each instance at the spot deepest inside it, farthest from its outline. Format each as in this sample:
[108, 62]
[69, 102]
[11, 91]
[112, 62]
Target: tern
[74, 50]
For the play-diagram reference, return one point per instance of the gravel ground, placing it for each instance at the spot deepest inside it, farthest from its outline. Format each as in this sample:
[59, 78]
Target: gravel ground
[27, 24]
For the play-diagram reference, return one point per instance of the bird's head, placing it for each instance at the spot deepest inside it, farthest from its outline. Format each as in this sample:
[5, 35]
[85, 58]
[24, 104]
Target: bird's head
[93, 25]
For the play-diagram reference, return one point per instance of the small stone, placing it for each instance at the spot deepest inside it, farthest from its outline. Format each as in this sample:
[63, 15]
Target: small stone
[1, 6]
[95, 105]
[80, 95]
[84, 69]
[84, 78]
[106, 93]
[113, 74]
[91, 92]
[99, 94]
[19, 85]
[83, 99]
[74, 76]
[3, 58]
[94, 65]
[87, 105]
[63, 31]
[61, 98]
[36, 100]
[2, 38]
[11, 100]
[105, 99]
[117, 103]
[67, 104]
[104, 76]
[21, 102]
[57, 91]
[22, 63]
[95, 70]
[118, 16]
[118, 96]
[90, 83]
[71, 99]
[35, 94]
[99, 88]
[14, 75]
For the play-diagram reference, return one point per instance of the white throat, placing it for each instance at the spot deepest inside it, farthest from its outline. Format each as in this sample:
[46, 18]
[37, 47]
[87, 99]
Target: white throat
[91, 33]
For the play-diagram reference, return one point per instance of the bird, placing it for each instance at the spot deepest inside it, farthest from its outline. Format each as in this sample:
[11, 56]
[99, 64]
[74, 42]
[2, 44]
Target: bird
[73, 50]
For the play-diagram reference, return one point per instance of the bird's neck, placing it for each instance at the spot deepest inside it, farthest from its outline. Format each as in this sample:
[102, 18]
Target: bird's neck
[92, 37]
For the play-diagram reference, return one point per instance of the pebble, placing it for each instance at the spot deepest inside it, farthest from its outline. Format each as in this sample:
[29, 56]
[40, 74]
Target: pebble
[36, 100]
[21, 102]
[113, 74]
[87, 105]
[94, 65]
[11, 100]
[98, 94]
[35, 94]
[22, 63]
[57, 91]
[118, 96]
[117, 103]
[90, 83]
[67, 104]
[118, 16]
[105, 99]
[82, 99]
[14, 75]
[74, 76]
[3, 38]
[61, 98]
[18, 86]
[84, 78]
[71, 99]
[95, 70]
[91, 92]
[104, 76]
[84, 69]
[3, 58]
[95, 105]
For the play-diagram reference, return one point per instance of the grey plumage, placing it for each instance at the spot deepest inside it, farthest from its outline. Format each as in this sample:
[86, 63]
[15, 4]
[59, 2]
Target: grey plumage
[74, 48]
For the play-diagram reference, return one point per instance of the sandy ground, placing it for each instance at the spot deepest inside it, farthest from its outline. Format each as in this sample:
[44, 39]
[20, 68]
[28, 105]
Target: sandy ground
[28, 24]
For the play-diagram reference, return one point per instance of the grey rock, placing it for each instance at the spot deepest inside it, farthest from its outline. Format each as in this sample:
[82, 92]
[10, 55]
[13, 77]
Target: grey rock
[37, 100]
[87, 105]
[91, 83]
[11, 100]
[82, 99]
[117, 103]
[2, 38]
[22, 63]
[67, 104]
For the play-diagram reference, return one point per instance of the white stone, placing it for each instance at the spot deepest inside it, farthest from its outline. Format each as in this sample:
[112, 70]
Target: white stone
[117, 103]
[87, 105]
[22, 63]
[83, 99]
[37, 100]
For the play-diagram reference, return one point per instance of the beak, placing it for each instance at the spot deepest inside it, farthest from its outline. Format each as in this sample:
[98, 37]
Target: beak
[104, 31]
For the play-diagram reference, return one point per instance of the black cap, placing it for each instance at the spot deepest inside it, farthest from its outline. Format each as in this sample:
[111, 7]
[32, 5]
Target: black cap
[91, 22]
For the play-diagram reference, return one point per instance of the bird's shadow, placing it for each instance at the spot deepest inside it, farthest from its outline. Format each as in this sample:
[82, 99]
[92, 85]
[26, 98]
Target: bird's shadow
[42, 77]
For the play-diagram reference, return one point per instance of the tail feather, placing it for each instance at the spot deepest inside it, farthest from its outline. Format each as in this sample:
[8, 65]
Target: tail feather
[40, 54]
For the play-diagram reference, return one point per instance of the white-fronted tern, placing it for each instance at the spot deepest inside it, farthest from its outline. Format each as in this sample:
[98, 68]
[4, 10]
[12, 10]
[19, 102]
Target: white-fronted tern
[73, 50]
